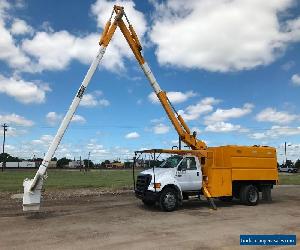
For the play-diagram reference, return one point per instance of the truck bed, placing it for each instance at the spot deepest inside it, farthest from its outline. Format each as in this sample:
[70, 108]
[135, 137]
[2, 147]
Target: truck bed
[228, 164]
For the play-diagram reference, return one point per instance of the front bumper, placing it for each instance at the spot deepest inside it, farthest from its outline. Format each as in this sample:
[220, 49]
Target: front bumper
[147, 195]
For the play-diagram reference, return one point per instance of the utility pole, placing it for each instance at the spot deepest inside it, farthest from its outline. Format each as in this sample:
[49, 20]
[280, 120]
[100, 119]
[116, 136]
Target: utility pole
[88, 163]
[285, 152]
[80, 163]
[5, 126]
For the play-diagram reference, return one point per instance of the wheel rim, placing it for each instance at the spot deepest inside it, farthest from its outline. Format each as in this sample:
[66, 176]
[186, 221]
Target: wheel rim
[253, 195]
[169, 200]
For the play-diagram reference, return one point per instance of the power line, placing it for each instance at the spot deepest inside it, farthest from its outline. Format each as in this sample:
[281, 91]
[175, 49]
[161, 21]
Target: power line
[97, 126]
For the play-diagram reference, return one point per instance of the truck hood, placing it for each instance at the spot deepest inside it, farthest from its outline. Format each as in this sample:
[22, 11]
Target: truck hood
[159, 172]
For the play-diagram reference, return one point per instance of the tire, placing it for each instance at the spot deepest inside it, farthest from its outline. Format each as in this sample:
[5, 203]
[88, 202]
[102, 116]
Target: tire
[148, 203]
[168, 199]
[226, 198]
[249, 195]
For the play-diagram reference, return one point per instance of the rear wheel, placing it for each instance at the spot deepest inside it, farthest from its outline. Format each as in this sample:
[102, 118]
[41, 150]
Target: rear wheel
[168, 200]
[249, 195]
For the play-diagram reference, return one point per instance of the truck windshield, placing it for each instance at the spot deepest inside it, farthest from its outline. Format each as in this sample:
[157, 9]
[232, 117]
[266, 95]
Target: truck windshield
[171, 162]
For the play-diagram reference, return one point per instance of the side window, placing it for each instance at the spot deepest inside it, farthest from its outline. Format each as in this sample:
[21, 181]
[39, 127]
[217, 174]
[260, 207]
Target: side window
[189, 163]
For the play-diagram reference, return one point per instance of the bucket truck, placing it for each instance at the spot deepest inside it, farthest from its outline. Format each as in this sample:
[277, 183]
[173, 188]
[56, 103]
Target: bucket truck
[223, 172]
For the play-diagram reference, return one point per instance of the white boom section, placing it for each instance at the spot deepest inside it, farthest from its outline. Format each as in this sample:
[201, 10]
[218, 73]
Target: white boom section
[32, 187]
[151, 77]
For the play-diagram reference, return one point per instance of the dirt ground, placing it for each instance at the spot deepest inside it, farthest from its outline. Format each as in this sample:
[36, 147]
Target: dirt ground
[89, 220]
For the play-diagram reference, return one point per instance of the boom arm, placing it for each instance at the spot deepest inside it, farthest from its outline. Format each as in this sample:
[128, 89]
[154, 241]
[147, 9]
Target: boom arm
[32, 188]
[133, 41]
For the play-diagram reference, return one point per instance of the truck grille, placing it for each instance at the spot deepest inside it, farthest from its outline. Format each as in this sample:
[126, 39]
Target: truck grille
[142, 182]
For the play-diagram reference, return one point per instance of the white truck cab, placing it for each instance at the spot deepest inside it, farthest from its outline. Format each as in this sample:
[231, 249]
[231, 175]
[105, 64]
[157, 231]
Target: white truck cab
[169, 183]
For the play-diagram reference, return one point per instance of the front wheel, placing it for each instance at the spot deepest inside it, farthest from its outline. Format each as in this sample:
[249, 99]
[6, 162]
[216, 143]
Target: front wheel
[249, 195]
[168, 200]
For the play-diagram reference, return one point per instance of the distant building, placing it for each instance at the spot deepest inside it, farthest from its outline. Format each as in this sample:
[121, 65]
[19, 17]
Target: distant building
[21, 164]
[52, 164]
[75, 164]
[115, 165]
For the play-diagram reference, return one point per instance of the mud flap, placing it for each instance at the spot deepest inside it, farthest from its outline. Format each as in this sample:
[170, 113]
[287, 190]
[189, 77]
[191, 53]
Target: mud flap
[266, 193]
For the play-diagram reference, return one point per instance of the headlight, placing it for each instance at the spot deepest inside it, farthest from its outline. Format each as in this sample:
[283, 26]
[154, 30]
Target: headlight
[157, 185]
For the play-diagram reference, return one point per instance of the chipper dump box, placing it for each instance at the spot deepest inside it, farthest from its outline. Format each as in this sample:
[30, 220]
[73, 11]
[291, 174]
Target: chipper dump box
[228, 168]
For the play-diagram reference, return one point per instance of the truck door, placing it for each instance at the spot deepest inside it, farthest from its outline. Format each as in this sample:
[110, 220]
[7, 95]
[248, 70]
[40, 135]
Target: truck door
[189, 174]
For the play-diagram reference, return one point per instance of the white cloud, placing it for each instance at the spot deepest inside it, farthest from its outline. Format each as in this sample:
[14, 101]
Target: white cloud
[193, 112]
[23, 91]
[276, 132]
[288, 65]
[44, 140]
[11, 131]
[4, 5]
[226, 114]
[20, 27]
[53, 118]
[158, 120]
[103, 102]
[16, 119]
[54, 50]
[161, 128]
[174, 96]
[272, 115]
[174, 142]
[96, 149]
[224, 127]
[132, 135]
[10, 52]
[78, 119]
[90, 100]
[292, 152]
[222, 35]
[296, 79]
[258, 136]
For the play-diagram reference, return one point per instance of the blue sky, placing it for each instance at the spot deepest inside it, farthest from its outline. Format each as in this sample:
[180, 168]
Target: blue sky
[232, 69]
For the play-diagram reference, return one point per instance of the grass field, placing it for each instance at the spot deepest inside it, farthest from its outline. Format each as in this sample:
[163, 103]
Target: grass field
[289, 179]
[113, 179]
[63, 179]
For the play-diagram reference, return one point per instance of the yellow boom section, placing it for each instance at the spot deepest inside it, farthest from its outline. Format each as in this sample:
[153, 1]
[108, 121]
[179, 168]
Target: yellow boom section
[134, 43]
